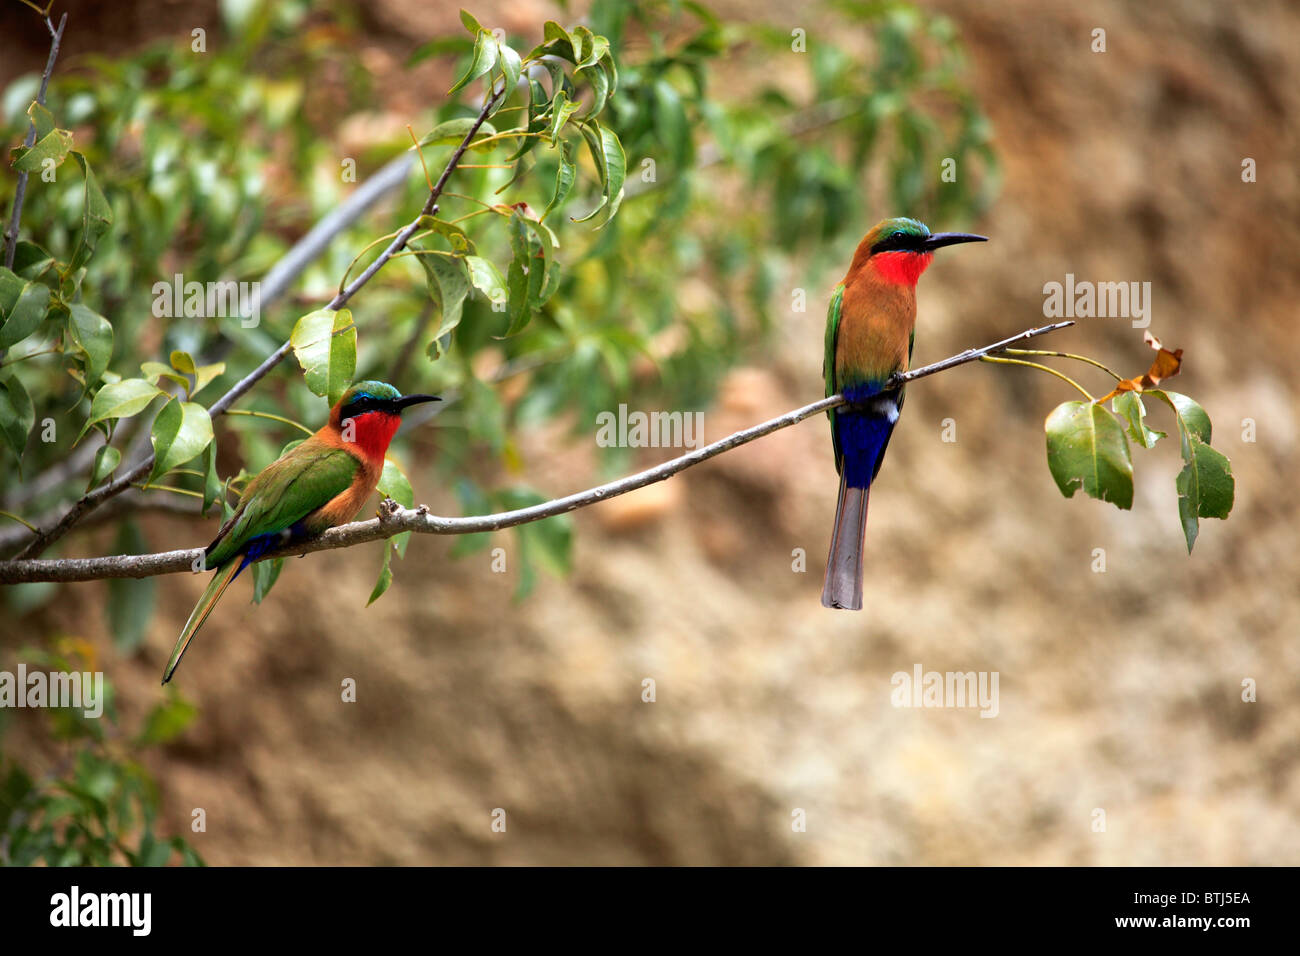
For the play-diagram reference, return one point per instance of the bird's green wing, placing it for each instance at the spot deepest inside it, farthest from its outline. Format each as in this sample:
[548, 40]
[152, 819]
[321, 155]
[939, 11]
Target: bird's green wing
[286, 491]
[828, 361]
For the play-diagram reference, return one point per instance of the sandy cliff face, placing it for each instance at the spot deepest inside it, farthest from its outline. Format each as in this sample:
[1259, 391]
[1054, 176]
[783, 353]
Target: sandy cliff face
[1117, 690]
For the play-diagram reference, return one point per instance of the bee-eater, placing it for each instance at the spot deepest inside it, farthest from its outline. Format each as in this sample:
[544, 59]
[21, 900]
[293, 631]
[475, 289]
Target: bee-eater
[870, 327]
[321, 482]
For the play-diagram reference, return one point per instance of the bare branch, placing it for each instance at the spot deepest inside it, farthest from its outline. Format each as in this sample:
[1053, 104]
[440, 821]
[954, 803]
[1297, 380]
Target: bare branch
[394, 519]
[20, 191]
[92, 500]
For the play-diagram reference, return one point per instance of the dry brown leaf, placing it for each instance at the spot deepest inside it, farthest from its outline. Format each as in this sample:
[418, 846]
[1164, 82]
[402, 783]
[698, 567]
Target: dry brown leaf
[1165, 365]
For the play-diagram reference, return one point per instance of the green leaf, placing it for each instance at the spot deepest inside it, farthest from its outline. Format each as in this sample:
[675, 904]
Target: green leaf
[11, 287]
[53, 146]
[453, 132]
[96, 217]
[1086, 448]
[471, 24]
[454, 234]
[511, 68]
[93, 336]
[205, 374]
[325, 344]
[167, 720]
[25, 316]
[529, 275]
[153, 371]
[120, 400]
[1206, 487]
[598, 79]
[41, 118]
[564, 179]
[553, 31]
[448, 287]
[394, 484]
[485, 277]
[615, 170]
[106, 461]
[212, 487]
[582, 45]
[385, 576]
[611, 72]
[31, 261]
[518, 310]
[1192, 419]
[560, 114]
[611, 165]
[183, 362]
[481, 61]
[265, 574]
[17, 416]
[547, 243]
[180, 431]
[1128, 405]
[131, 601]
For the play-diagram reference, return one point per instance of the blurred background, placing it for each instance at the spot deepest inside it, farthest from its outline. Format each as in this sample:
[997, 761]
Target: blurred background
[1120, 691]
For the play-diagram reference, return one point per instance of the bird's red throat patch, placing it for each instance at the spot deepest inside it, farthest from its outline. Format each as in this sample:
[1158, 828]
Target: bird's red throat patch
[902, 267]
[371, 433]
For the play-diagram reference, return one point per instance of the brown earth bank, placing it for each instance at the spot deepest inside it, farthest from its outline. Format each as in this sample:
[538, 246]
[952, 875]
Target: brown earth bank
[1119, 691]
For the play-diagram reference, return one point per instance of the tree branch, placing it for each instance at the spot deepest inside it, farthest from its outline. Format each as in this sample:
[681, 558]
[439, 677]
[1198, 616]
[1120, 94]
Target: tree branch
[394, 519]
[88, 502]
[20, 191]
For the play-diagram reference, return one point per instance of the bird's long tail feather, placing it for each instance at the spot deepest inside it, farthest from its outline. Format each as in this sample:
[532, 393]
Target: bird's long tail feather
[216, 587]
[843, 587]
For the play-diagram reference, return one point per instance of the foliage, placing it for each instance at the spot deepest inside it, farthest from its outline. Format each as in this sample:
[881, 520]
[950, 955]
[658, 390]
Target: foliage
[99, 806]
[1088, 446]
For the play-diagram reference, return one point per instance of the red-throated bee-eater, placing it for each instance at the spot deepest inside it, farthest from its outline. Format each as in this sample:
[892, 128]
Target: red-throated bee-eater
[870, 327]
[320, 483]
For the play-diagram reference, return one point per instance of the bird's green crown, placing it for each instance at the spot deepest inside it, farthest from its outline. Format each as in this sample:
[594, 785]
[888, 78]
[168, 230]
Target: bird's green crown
[899, 234]
[367, 396]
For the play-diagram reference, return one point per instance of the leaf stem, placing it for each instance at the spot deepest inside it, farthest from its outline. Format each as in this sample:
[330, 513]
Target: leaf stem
[10, 514]
[23, 358]
[1042, 368]
[179, 491]
[268, 415]
[1070, 355]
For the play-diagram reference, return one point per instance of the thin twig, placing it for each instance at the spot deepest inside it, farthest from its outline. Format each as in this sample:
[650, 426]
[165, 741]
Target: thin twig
[20, 191]
[394, 519]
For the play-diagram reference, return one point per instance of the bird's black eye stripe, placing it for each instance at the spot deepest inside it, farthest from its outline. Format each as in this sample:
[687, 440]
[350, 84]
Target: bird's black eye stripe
[359, 406]
[899, 240]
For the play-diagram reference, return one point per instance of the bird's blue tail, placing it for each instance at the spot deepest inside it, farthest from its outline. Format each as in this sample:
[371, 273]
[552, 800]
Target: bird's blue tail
[863, 434]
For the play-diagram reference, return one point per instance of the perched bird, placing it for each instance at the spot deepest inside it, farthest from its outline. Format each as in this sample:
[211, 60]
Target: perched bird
[320, 483]
[870, 326]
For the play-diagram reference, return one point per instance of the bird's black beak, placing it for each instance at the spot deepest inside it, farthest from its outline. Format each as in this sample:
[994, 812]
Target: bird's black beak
[406, 401]
[941, 239]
